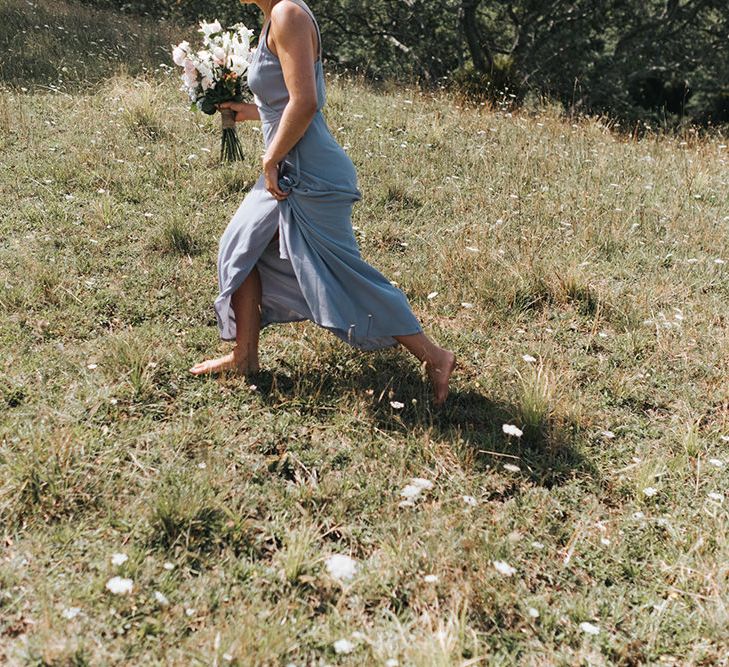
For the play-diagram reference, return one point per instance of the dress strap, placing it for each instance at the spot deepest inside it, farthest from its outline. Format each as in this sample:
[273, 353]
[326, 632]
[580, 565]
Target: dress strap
[264, 34]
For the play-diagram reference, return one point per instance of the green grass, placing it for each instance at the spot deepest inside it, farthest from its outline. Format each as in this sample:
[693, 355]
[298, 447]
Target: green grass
[51, 45]
[594, 254]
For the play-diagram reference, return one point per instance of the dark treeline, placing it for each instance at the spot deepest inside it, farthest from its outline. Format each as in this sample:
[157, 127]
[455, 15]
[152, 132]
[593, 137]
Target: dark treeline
[663, 62]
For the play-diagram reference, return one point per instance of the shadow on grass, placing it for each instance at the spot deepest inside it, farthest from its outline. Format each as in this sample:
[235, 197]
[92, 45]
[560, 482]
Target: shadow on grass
[548, 455]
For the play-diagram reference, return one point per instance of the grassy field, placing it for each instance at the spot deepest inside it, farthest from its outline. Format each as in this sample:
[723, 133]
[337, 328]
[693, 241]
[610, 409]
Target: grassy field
[582, 279]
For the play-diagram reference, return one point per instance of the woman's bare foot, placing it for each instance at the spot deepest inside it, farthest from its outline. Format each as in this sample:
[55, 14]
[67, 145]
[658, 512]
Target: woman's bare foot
[438, 361]
[226, 363]
[439, 367]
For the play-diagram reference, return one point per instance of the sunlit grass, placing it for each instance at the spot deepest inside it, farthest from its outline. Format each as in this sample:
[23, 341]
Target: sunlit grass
[580, 277]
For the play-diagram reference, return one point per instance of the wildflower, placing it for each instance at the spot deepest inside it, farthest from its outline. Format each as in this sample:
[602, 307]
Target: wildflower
[341, 567]
[120, 586]
[70, 613]
[609, 435]
[190, 612]
[343, 646]
[169, 566]
[119, 559]
[717, 497]
[511, 467]
[534, 613]
[649, 491]
[161, 598]
[470, 500]
[528, 358]
[717, 463]
[410, 491]
[430, 578]
[589, 628]
[510, 429]
[504, 568]
[397, 405]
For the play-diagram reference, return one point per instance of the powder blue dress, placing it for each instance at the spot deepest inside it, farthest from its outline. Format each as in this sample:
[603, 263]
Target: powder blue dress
[315, 271]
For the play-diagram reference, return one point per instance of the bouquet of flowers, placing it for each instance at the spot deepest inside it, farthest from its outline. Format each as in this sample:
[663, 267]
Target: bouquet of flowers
[216, 74]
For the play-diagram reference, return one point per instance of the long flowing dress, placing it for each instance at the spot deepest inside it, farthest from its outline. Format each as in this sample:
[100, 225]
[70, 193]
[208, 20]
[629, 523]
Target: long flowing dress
[315, 271]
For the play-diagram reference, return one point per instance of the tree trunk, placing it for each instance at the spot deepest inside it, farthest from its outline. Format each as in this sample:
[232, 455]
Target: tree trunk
[480, 53]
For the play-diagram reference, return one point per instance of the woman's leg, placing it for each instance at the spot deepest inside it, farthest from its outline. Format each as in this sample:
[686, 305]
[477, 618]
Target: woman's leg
[246, 303]
[438, 361]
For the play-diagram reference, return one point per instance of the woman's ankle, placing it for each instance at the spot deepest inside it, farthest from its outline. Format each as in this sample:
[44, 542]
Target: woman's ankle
[245, 362]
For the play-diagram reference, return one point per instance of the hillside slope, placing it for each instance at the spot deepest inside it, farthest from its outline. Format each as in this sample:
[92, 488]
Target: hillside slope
[582, 280]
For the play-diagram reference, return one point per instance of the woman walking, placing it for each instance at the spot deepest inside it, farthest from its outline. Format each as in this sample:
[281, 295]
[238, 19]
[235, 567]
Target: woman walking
[289, 252]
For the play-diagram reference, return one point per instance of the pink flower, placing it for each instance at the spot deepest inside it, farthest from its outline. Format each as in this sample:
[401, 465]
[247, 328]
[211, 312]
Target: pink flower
[179, 53]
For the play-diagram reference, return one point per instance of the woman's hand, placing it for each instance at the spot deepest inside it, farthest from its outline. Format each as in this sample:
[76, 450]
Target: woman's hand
[243, 110]
[270, 175]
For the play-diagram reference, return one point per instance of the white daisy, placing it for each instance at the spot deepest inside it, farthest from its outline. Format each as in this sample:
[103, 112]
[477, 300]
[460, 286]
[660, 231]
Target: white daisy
[504, 568]
[341, 567]
[589, 628]
[120, 586]
[119, 559]
[510, 429]
[343, 646]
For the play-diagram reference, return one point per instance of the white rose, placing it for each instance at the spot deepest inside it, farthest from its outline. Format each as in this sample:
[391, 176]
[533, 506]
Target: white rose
[218, 55]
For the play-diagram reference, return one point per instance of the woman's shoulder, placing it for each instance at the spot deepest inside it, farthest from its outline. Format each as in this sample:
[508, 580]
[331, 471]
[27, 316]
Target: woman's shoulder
[287, 13]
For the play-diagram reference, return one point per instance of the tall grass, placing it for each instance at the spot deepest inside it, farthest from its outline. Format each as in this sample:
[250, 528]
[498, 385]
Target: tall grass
[581, 278]
[61, 45]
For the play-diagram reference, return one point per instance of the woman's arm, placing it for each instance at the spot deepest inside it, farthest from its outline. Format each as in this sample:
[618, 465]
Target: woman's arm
[291, 28]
